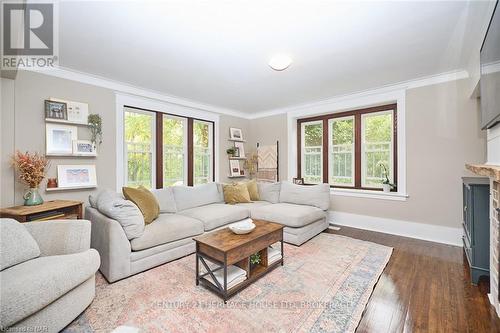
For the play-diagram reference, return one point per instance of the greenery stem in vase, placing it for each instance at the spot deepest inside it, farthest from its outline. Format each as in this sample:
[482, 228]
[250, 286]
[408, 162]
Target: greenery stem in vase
[31, 169]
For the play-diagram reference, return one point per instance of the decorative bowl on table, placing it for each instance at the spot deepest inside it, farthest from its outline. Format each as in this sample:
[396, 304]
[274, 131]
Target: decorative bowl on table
[243, 227]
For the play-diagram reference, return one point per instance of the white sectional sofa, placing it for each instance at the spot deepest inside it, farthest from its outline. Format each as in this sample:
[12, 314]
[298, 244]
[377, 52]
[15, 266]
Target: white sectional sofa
[186, 212]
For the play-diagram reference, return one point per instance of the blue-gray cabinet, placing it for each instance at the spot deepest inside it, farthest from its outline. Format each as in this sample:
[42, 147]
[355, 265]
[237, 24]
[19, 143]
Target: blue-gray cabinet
[476, 225]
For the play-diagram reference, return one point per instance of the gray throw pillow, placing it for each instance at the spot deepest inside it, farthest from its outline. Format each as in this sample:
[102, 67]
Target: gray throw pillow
[187, 197]
[165, 197]
[311, 195]
[269, 191]
[16, 244]
[124, 211]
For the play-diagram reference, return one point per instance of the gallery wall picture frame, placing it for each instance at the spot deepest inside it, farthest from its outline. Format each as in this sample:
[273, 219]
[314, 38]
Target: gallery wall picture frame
[235, 134]
[74, 176]
[84, 148]
[59, 139]
[77, 112]
[240, 147]
[56, 110]
[234, 168]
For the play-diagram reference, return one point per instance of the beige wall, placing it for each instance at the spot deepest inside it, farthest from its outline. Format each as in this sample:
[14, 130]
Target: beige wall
[442, 134]
[268, 130]
[23, 128]
[27, 130]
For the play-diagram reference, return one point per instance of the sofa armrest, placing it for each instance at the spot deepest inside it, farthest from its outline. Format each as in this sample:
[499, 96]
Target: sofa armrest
[57, 237]
[109, 239]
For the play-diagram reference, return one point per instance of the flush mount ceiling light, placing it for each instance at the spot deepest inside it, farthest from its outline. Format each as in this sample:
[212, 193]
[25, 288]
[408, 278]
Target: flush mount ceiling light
[280, 62]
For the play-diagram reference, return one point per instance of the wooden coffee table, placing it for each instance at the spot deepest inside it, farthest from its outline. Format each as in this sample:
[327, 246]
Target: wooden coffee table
[224, 248]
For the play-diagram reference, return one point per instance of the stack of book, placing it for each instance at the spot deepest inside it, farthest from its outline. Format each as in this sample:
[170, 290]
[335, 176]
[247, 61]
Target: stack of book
[273, 254]
[44, 216]
[235, 275]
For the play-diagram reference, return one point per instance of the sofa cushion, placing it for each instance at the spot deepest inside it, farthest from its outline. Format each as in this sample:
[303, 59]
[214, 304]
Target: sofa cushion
[144, 200]
[16, 244]
[216, 215]
[165, 229]
[115, 207]
[187, 197]
[288, 214]
[315, 195]
[253, 189]
[165, 197]
[269, 191]
[236, 193]
[34, 284]
[253, 205]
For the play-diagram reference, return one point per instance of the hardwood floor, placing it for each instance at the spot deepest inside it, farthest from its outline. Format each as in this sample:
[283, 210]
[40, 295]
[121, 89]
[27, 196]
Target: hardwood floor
[424, 288]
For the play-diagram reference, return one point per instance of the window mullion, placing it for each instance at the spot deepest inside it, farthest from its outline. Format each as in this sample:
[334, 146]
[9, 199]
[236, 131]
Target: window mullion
[159, 150]
[357, 150]
[190, 157]
[325, 152]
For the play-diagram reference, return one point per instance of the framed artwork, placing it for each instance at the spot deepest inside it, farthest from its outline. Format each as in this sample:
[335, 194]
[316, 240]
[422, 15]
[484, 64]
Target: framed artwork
[241, 148]
[298, 181]
[76, 176]
[56, 110]
[234, 168]
[235, 133]
[59, 139]
[77, 112]
[84, 147]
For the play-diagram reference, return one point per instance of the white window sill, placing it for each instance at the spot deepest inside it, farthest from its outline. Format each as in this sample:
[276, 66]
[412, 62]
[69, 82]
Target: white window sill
[345, 192]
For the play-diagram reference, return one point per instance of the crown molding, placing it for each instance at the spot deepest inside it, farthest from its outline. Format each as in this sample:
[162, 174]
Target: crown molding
[122, 87]
[404, 85]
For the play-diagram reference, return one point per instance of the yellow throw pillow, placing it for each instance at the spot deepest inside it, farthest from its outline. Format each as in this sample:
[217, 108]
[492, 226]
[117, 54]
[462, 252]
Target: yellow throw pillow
[253, 189]
[145, 200]
[236, 193]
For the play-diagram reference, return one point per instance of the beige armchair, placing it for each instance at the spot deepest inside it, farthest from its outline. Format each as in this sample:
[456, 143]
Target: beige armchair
[47, 284]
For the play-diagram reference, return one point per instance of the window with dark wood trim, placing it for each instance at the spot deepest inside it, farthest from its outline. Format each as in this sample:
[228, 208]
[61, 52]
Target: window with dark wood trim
[353, 149]
[164, 149]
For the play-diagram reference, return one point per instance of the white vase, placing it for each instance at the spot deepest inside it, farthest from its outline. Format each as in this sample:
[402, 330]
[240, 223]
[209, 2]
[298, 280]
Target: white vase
[386, 187]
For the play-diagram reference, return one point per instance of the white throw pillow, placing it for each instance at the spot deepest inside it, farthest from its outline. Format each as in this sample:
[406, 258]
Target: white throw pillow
[187, 197]
[311, 195]
[269, 191]
[165, 197]
[124, 211]
[16, 244]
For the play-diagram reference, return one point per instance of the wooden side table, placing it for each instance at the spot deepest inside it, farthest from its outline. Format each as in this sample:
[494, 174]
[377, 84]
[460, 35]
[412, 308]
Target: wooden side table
[49, 210]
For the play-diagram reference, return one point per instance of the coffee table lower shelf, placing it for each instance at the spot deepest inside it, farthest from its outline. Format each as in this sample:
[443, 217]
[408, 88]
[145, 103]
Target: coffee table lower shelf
[255, 274]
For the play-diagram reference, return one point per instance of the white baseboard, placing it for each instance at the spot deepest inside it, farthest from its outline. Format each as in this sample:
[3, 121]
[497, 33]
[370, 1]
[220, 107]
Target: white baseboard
[428, 232]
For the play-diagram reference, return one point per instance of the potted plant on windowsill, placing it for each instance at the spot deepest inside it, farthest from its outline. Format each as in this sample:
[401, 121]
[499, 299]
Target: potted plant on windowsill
[387, 186]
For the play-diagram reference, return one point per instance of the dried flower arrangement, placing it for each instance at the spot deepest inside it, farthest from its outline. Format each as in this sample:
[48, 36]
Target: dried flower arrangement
[31, 167]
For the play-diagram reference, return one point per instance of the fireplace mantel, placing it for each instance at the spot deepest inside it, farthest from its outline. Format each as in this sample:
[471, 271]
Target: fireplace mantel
[487, 170]
[493, 172]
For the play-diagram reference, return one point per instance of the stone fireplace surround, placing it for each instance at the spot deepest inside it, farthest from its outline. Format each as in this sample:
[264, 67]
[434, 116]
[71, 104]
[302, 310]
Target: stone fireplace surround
[493, 172]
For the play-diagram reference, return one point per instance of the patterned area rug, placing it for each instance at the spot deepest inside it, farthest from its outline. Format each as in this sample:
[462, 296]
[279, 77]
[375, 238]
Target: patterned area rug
[323, 287]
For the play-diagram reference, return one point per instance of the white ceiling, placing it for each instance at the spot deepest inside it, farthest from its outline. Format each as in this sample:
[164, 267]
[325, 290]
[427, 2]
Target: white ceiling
[216, 52]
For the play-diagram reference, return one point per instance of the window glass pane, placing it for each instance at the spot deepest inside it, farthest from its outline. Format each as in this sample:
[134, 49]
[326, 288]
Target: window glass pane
[341, 163]
[312, 162]
[139, 143]
[173, 151]
[377, 148]
[202, 140]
